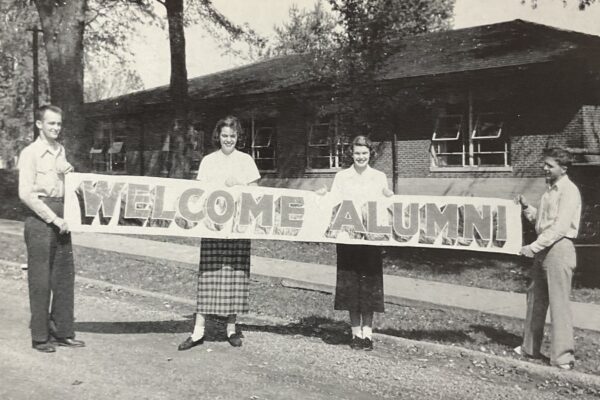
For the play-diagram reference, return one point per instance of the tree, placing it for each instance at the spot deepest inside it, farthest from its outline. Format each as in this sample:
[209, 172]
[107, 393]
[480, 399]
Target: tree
[109, 77]
[104, 41]
[178, 17]
[582, 4]
[307, 31]
[63, 25]
[16, 116]
[368, 31]
[370, 27]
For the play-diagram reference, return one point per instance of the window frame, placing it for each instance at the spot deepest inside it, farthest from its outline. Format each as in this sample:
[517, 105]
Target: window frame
[109, 142]
[272, 143]
[337, 143]
[438, 142]
[477, 140]
[471, 143]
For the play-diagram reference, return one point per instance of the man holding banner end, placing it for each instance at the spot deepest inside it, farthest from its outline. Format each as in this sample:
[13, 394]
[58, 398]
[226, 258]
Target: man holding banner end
[51, 274]
[556, 224]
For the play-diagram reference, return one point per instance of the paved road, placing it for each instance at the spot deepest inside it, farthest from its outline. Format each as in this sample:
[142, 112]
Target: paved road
[131, 354]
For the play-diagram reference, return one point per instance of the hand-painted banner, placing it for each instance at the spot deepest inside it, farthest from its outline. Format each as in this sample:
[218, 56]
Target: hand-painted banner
[161, 206]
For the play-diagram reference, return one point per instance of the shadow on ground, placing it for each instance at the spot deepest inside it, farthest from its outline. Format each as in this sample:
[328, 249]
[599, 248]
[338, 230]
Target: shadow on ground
[498, 336]
[330, 331]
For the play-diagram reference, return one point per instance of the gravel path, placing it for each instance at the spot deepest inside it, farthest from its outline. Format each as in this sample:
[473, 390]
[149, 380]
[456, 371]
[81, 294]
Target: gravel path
[131, 354]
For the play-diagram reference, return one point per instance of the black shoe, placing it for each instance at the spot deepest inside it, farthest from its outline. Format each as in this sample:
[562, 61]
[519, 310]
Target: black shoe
[356, 343]
[68, 342]
[367, 344]
[235, 340]
[189, 343]
[44, 347]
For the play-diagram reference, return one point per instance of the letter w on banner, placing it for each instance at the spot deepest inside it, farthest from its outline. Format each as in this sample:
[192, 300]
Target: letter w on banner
[160, 206]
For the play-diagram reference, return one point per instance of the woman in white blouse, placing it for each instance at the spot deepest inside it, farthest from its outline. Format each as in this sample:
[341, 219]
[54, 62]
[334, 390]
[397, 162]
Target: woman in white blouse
[359, 285]
[224, 270]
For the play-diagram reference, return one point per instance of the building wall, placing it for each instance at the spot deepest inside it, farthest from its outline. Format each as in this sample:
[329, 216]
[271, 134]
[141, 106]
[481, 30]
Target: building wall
[540, 120]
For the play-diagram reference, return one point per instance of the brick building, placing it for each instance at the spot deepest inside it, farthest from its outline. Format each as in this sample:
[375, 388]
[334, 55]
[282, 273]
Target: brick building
[476, 106]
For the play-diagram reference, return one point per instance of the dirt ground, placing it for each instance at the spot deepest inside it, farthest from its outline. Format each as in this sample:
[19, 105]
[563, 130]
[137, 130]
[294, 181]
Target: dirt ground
[131, 354]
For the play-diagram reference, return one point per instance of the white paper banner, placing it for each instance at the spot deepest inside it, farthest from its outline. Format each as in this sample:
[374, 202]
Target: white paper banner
[161, 206]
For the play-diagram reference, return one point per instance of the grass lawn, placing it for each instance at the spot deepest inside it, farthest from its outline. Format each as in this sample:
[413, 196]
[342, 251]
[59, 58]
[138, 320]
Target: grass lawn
[460, 267]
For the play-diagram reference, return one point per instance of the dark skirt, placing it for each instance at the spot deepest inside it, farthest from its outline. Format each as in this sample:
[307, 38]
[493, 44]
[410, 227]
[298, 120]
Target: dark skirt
[223, 276]
[359, 285]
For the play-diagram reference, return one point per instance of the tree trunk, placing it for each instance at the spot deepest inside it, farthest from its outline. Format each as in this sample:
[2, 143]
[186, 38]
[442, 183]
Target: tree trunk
[63, 24]
[178, 89]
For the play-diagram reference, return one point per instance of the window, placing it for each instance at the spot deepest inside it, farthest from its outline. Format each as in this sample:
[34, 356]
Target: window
[448, 146]
[97, 157]
[326, 145]
[263, 137]
[470, 140]
[117, 158]
[489, 147]
[195, 144]
[108, 154]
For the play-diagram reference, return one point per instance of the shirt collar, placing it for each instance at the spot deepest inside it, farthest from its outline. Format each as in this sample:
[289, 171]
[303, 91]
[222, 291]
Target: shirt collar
[223, 155]
[365, 172]
[42, 147]
[560, 182]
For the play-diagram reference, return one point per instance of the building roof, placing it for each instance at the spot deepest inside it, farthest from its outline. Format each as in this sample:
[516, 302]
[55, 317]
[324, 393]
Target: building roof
[507, 44]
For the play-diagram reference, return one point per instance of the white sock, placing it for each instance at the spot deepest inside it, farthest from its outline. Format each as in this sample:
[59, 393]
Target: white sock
[230, 329]
[198, 332]
[367, 332]
[357, 332]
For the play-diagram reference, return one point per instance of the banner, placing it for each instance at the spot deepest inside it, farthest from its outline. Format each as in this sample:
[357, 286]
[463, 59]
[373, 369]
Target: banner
[161, 206]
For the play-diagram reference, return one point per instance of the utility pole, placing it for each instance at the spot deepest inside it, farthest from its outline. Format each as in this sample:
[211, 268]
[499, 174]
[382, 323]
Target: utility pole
[36, 76]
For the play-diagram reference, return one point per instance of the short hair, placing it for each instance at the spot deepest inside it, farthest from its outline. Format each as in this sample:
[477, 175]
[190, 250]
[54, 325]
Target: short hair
[563, 157]
[362, 140]
[230, 122]
[41, 111]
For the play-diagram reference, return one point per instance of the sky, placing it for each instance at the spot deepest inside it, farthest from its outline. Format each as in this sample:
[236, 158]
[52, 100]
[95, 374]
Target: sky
[204, 56]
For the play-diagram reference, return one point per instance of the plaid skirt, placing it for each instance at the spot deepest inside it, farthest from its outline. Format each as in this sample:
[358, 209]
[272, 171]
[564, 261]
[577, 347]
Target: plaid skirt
[223, 276]
[359, 283]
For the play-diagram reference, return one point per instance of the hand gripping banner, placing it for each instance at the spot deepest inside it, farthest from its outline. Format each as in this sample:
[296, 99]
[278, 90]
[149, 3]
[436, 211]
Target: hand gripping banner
[161, 206]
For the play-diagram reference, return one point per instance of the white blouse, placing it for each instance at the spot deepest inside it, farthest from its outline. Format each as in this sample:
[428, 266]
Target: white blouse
[217, 167]
[351, 185]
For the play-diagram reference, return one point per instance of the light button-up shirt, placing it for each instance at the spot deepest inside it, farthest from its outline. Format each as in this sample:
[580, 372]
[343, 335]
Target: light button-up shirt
[42, 170]
[558, 215]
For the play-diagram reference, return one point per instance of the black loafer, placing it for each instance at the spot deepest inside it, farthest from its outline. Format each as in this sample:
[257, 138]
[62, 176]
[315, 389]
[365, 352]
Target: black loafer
[235, 340]
[356, 343]
[44, 347]
[189, 343]
[367, 344]
[68, 342]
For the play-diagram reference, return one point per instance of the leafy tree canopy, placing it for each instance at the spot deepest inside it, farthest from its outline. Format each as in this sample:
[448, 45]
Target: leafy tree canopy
[582, 4]
[306, 31]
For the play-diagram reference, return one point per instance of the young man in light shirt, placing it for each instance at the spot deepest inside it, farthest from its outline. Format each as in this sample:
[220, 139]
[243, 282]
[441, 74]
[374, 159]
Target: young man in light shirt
[50, 272]
[556, 224]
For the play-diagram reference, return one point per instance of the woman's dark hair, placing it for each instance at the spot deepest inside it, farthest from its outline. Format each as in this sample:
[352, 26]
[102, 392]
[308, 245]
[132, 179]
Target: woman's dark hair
[231, 122]
[562, 156]
[361, 140]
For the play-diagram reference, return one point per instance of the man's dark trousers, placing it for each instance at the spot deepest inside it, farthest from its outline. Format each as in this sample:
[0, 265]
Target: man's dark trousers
[51, 275]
